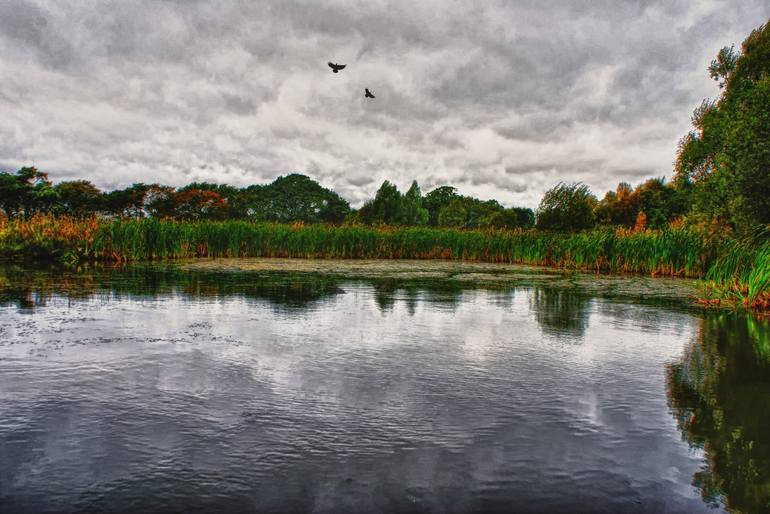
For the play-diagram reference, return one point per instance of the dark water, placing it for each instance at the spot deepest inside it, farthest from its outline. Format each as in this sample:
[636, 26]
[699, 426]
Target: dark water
[155, 390]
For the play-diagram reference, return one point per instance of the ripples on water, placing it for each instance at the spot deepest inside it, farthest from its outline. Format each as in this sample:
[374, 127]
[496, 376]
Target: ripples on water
[155, 391]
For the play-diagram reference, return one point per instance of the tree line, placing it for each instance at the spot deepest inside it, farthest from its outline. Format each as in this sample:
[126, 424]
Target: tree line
[298, 198]
[721, 176]
[288, 199]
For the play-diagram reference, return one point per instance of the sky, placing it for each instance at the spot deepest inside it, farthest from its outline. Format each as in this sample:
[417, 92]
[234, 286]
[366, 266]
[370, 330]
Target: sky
[500, 99]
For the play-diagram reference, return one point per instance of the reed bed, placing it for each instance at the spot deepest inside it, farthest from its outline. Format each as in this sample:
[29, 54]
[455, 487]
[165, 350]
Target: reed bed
[674, 252]
[46, 237]
[742, 271]
[736, 268]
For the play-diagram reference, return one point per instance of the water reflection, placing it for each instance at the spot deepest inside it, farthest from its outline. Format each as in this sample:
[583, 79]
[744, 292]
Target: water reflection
[720, 397]
[561, 312]
[28, 289]
[160, 389]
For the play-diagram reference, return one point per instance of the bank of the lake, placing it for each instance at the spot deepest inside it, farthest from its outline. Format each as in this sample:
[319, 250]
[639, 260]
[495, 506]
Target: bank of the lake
[736, 269]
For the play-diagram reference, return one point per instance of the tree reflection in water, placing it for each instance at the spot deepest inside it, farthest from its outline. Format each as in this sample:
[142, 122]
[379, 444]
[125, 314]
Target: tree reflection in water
[561, 312]
[28, 289]
[720, 396]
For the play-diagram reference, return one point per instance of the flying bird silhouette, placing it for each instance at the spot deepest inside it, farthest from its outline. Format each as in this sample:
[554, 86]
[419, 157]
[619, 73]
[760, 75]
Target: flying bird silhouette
[367, 93]
[336, 67]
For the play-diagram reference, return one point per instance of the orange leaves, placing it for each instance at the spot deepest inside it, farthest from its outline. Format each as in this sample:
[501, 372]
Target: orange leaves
[57, 231]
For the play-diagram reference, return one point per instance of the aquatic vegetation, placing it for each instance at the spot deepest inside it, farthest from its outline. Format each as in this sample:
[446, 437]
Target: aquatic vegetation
[737, 269]
[40, 236]
[742, 271]
[675, 252]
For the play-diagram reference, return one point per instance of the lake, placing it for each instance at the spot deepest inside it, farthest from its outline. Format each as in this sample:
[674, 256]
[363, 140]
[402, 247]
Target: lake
[371, 386]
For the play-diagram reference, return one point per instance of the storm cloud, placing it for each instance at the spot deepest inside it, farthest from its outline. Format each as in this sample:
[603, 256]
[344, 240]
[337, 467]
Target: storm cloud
[503, 100]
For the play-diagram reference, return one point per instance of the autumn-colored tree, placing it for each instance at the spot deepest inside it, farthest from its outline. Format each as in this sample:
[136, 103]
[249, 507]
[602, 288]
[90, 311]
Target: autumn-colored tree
[198, 204]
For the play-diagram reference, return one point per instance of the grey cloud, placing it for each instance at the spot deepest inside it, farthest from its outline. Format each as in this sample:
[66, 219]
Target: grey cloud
[501, 99]
[238, 104]
[27, 25]
[360, 180]
[539, 127]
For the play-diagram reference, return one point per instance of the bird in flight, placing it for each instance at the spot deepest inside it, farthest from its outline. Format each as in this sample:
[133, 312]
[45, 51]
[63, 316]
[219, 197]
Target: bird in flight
[336, 67]
[367, 93]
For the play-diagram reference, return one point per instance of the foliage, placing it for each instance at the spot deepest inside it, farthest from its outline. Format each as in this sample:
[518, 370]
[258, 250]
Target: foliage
[196, 204]
[386, 207]
[48, 237]
[742, 271]
[670, 252]
[292, 198]
[25, 193]
[412, 211]
[657, 202]
[128, 202]
[567, 207]
[718, 396]
[727, 157]
[77, 198]
[453, 215]
[436, 200]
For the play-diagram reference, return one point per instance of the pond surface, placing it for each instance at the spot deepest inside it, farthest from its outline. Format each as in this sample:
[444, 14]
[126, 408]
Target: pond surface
[283, 386]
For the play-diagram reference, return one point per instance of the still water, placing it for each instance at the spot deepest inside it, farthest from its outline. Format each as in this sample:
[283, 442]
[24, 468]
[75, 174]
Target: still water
[172, 389]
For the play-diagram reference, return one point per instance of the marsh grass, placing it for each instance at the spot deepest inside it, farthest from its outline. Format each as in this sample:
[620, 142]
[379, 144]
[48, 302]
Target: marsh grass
[737, 269]
[673, 252]
[741, 272]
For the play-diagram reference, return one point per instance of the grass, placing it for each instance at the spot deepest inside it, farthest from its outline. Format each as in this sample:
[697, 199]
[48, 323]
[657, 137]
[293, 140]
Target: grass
[738, 270]
[675, 252]
[742, 271]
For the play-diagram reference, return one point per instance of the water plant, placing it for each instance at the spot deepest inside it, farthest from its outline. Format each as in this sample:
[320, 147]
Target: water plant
[737, 269]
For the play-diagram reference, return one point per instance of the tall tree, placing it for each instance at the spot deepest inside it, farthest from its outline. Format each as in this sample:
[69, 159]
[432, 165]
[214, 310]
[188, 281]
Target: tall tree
[199, 204]
[436, 200]
[567, 207]
[727, 157]
[26, 192]
[386, 207]
[78, 198]
[412, 211]
[297, 197]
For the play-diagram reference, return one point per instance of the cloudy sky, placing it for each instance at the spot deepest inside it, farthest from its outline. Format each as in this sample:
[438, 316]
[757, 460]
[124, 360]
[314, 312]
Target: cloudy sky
[502, 100]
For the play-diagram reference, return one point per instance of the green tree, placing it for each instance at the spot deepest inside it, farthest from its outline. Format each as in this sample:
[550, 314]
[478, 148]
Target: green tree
[78, 198]
[515, 217]
[436, 200]
[127, 202]
[726, 158]
[10, 194]
[386, 207]
[293, 198]
[658, 201]
[26, 192]
[453, 215]
[412, 211]
[567, 207]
